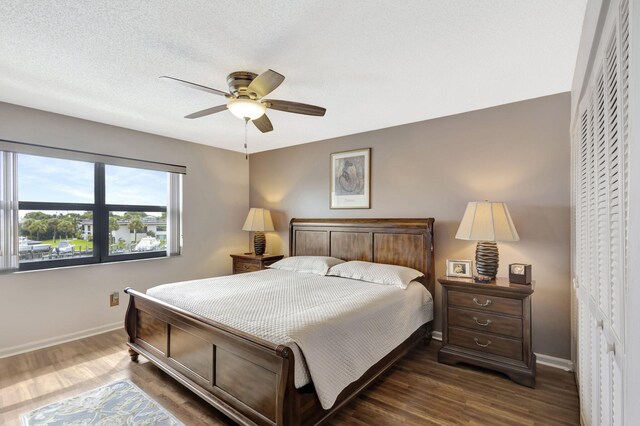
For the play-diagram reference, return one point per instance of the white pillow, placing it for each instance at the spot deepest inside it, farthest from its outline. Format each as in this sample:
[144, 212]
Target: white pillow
[308, 264]
[379, 273]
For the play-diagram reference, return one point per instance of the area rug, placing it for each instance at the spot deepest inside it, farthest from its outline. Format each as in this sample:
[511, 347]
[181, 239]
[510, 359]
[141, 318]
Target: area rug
[119, 403]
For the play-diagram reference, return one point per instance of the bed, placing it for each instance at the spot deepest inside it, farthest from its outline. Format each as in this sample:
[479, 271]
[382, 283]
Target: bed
[245, 374]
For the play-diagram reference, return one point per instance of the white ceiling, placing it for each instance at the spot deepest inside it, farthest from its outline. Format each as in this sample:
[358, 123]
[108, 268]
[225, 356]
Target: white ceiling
[372, 64]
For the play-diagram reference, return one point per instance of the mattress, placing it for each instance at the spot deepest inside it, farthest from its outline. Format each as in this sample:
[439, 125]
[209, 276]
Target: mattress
[336, 327]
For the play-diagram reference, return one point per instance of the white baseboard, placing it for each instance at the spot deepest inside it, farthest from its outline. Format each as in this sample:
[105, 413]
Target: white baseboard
[548, 360]
[552, 361]
[32, 346]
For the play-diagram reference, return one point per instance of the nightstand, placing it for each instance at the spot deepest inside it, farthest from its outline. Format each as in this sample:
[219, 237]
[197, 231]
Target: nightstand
[488, 325]
[251, 263]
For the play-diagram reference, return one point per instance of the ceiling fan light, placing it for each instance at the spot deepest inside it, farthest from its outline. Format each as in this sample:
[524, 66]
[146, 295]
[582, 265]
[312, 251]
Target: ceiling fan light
[246, 108]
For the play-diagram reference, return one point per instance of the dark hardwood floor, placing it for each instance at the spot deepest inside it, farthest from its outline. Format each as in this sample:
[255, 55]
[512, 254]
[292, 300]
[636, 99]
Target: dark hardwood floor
[417, 391]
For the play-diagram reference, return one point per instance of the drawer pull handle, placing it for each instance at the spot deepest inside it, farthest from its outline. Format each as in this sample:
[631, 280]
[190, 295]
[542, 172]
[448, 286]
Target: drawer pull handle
[480, 344]
[487, 303]
[483, 324]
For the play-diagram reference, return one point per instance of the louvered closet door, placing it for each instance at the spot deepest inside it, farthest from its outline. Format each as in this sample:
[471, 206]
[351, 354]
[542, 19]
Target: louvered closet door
[583, 359]
[600, 149]
[613, 349]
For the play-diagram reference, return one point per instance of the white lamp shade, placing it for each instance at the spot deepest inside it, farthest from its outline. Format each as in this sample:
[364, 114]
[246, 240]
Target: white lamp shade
[246, 108]
[258, 220]
[487, 221]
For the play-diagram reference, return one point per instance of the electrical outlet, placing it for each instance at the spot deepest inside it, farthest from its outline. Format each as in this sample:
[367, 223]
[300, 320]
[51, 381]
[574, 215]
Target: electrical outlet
[114, 299]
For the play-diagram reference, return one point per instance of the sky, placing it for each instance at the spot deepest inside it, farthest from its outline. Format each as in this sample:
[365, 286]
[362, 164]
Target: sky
[57, 180]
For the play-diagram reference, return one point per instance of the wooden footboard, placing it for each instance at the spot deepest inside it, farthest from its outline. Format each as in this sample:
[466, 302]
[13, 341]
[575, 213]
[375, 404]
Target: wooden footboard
[245, 377]
[248, 379]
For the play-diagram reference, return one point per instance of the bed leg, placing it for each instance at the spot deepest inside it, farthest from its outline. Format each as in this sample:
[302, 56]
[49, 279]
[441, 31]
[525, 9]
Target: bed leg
[130, 324]
[427, 339]
[134, 355]
[427, 336]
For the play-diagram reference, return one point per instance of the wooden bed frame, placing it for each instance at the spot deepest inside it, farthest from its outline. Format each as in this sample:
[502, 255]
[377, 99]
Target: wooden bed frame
[250, 379]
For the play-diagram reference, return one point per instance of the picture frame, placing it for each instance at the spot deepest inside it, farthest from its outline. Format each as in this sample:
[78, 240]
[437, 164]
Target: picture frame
[520, 273]
[459, 268]
[350, 179]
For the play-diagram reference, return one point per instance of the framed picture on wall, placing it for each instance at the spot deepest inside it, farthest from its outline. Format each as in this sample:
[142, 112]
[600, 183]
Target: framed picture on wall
[351, 179]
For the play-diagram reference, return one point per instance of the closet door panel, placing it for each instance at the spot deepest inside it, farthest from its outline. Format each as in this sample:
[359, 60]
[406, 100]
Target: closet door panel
[615, 185]
[600, 149]
[605, 369]
[594, 354]
[601, 213]
[617, 389]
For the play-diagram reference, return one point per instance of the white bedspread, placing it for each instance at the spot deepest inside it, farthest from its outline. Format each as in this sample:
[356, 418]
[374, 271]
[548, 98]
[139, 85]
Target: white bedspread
[342, 326]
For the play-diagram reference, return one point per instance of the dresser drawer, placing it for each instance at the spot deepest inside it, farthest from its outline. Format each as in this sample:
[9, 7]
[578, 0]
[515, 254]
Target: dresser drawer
[501, 305]
[484, 342]
[240, 267]
[485, 322]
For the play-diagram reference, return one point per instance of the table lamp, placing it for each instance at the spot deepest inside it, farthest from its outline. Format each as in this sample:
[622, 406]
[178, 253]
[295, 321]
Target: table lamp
[259, 221]
[487, 222]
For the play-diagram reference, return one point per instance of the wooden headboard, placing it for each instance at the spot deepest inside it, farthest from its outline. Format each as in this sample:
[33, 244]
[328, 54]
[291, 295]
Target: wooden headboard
[405, 242]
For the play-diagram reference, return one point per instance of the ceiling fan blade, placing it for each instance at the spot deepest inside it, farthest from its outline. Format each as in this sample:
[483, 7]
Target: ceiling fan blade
[198, 86]
[263, 124]
[295, 107]
[265, 83]
[207, 111]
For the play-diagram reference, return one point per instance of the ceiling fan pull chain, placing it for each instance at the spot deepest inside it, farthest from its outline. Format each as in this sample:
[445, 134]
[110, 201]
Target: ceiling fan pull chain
[246, 152]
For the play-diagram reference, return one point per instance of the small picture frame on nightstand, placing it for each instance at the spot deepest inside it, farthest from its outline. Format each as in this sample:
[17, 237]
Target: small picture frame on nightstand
[520, 273]
[460, 268]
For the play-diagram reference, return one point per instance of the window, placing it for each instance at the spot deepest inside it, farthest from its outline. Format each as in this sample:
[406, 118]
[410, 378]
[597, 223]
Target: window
[137, 232]
[55, 196]
[50, 235]
[73, 212]
[136, 202]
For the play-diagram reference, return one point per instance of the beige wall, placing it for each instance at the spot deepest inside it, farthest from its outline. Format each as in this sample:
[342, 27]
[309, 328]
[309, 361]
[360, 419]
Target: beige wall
[44, 306]
[518, 153]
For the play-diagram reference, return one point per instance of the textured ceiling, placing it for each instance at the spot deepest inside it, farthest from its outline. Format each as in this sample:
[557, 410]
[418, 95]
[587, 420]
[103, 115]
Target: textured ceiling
[372, 64]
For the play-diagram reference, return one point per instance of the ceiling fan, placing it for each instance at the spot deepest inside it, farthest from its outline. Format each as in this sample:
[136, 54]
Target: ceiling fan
[246, 100]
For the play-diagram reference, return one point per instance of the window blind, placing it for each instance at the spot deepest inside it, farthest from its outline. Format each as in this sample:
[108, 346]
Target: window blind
[8, 212]
[70, 154]
[174, 210]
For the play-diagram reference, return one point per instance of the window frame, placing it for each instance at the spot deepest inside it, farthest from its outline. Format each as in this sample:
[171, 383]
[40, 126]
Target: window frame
[100, 233]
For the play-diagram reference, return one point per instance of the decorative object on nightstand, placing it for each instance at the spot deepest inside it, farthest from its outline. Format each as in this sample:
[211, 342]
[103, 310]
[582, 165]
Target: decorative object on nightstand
[251, 263]
[488, 325]
[459, 268]
[259, 221]
[520, 273]
[481, 279]
[487, 222]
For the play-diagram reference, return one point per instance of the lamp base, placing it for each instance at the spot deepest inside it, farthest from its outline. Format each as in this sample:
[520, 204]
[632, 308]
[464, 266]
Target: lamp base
[259, 243]
[487, 258]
